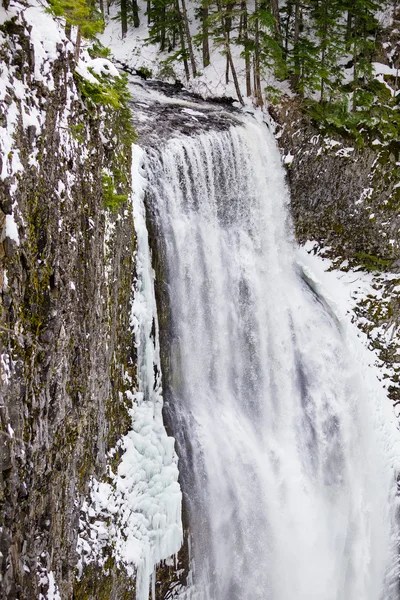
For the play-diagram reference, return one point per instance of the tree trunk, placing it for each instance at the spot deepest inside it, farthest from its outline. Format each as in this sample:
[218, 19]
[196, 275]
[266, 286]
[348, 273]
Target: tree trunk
[148, 10]
[245, 38]
[257, 66]
[324, 44]
[102, 8]
[189, 38]
[349, 23]
[229, 57]
[162, 32]
[204, 25]
[124, 18]
[235, 79]
[78, 44]
[135, 12]
[227, 24]
[277, 24]
[182, 38]
[287, 27]
[355, 74]
[296, 38]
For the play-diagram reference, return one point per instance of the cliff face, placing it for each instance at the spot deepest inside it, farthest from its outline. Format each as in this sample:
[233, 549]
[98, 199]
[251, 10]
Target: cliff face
[66, 274]
[343, 196]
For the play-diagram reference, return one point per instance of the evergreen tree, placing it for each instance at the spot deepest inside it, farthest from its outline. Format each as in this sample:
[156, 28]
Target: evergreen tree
[80, 14]
[361, 36]
[327, 21]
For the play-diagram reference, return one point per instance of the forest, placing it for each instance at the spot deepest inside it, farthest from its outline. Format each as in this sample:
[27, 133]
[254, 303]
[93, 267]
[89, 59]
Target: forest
[340, 57]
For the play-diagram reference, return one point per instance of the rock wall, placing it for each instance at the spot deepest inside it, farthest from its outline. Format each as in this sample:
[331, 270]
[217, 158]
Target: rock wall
[66, 273]
[345, 197]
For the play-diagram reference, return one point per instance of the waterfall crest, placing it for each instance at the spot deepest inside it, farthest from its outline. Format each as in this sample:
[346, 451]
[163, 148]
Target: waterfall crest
[289, 490]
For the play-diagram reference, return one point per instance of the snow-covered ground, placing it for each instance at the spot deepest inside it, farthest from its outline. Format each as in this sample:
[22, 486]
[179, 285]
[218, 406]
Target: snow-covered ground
[137, 508]
[135, 52]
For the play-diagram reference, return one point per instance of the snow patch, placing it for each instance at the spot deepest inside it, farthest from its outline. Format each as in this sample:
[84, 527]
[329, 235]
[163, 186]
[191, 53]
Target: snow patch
[11, 230]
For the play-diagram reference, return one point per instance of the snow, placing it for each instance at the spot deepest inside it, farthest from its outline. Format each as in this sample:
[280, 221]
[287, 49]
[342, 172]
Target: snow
[83, 71]
[354, 288]
[193, 113]
[47, 579]
[329, 143]
[11, 230]
[5, 370]
[47, 38]
[288, 159]
[102, 66]
[381, 69]
[345, 152]
[53, 593]
[340, 290]
[135, 52]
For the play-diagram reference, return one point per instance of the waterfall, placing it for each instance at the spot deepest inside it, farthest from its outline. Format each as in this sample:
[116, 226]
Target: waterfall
[286, 469]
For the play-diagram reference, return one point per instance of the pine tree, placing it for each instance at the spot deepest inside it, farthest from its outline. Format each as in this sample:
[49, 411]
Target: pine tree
[80, 14]
[245, 42]
[327, 21]
[361, 41]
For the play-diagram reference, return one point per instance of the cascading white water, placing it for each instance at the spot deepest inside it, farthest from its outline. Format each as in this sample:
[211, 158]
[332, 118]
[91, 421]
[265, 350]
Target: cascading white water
[289, 485]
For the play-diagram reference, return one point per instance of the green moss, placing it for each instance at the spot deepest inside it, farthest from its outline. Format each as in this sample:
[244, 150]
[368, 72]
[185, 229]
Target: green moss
[111, 581]
[377, 115]
[112, 94]
[12, 27]
[77, 132]
[112, 200]
[145, 72]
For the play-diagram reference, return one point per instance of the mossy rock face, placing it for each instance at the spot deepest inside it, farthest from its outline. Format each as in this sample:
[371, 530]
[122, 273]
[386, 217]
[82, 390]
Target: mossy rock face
[342, 196]
[104, 583]
[64, 328]
[112, 582]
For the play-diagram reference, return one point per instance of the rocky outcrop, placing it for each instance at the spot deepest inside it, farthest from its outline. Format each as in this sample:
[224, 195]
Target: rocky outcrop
[66, 273]
[345, 197]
